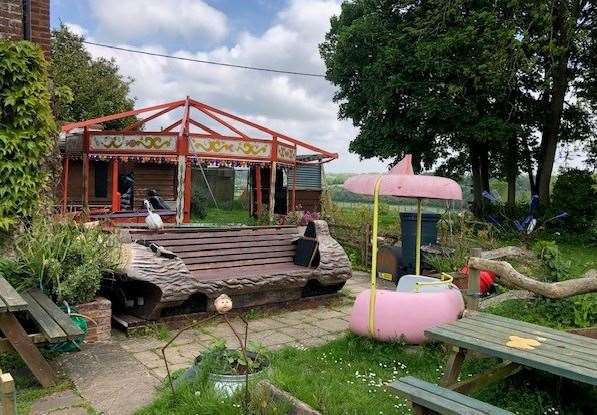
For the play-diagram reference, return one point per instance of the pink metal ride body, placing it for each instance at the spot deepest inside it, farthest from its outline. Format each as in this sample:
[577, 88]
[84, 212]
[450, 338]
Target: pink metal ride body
[406, 315]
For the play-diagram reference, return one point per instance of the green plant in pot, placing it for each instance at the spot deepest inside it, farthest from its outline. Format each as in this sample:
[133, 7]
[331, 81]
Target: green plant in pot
[228, 369]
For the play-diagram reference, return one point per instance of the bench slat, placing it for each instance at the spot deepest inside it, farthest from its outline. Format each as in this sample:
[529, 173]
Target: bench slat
[11, 297]
[234, 264]
[236, 250]
[226, 245]
[172, 236]
[224, 256]
[63, 320]
[224, 239]
[443, 400]
[49, 328]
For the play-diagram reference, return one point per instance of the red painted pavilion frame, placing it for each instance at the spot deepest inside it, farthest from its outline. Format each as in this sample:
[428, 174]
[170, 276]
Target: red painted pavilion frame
[182, 144]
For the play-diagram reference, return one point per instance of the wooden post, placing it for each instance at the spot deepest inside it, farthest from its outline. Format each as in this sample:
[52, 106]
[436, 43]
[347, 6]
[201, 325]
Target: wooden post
[115, 194]
[258, 194]
[9, 395]
[272, 180]
[474, 276]
[453, 367]
[180, 189]
[187, 192]
[64, 184]
[272, 191]
[293, 198]
[85, 185]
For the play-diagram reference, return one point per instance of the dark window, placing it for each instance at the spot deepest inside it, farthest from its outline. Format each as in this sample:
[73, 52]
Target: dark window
[101, 179]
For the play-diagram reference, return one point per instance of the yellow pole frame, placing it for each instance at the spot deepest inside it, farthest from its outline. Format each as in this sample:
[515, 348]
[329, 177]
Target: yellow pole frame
[371, 325]
[418, 242]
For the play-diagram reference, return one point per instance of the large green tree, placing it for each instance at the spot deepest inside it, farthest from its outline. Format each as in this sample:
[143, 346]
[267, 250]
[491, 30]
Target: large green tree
[471, 84]
[429, 78]
[97, 87]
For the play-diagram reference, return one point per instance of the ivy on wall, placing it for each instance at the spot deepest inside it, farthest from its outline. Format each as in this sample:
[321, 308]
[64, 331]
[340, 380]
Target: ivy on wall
[27, 130]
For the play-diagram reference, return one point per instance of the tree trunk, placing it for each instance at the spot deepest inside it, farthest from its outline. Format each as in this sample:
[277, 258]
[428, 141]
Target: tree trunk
[484, 156]
[512, 169]
[564, 24]
[510, 278]
[477, 182]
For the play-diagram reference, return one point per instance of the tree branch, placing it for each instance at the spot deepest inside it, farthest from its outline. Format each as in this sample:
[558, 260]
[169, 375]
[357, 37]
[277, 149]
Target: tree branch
[509, 277]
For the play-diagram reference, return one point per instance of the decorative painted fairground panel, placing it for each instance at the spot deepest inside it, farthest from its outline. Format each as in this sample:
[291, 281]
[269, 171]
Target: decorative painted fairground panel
[133, 143]
[224, 147]
[286, 153]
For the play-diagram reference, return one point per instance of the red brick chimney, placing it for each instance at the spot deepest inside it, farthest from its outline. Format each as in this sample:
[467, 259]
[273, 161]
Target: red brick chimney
[26, 19]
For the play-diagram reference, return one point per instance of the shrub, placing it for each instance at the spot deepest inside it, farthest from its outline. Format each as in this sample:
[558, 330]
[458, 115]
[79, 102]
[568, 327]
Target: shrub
[27, 130]
[64, 259]
[574, 192]
[199, 203]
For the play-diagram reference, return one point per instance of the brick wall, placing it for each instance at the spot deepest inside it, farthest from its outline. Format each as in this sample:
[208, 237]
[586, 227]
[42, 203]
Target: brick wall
[11, 21]
[100, 312]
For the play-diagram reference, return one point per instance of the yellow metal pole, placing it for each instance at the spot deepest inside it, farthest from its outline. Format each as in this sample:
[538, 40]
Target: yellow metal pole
[374, 258]
[418, 243]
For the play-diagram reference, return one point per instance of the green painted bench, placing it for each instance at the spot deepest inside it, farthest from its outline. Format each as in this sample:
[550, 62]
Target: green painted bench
[428, 398]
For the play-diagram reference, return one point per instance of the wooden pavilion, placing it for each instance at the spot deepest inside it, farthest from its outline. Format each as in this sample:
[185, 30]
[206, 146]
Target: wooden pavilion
[96, 160]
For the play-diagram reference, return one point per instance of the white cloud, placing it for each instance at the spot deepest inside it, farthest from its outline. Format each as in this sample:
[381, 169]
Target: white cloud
[76, 29]
[137, 19]
[300, 107]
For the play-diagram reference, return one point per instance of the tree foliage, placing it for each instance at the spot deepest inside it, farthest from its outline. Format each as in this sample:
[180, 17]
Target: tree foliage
[575, 192]
[489, 87]
[97, 87]
[27, 130]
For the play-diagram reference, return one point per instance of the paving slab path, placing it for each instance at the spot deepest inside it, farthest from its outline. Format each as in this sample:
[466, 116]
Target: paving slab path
[123, 375]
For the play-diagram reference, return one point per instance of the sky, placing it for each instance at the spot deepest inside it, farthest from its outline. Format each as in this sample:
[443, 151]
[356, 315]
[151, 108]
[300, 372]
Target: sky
[281, 34]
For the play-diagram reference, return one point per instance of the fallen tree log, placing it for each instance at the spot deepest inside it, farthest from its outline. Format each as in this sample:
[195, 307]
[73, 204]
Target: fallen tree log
[508, 251]
[510, 278]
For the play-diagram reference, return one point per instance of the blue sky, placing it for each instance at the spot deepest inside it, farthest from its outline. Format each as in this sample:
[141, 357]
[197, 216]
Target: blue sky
[282, 34]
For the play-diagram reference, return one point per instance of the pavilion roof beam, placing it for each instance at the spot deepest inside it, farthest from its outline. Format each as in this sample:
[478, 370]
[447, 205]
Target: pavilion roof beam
[86, 123]
[204, 127]
[137, 124]
[184, 128]
[232, 128]
[206, 108]
[172, 126]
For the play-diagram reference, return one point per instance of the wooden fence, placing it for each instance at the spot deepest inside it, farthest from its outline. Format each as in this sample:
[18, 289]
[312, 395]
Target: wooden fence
[359, 238]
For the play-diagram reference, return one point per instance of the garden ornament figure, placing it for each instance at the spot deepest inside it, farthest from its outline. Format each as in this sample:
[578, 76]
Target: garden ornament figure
[153, 220]
[223, 304]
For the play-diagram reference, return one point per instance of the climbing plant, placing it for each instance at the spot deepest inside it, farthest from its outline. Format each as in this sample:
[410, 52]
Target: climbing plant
[27, 130]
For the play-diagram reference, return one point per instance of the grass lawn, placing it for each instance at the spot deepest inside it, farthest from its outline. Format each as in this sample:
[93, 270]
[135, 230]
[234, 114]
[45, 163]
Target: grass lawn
[226, 217]
[348, 376]
[28, 389]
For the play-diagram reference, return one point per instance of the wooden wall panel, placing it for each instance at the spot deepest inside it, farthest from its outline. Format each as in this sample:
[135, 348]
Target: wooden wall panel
[161, 177]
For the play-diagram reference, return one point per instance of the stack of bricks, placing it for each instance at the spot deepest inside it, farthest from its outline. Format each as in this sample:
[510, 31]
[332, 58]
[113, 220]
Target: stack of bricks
[12, 19]
[99, 324]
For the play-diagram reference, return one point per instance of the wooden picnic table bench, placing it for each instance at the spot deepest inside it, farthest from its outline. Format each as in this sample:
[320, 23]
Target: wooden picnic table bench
[564, 354]
[54, 324]
[427, 397]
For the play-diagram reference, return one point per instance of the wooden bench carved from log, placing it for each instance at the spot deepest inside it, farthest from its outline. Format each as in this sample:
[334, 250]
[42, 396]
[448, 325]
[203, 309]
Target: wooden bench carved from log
[253, 265]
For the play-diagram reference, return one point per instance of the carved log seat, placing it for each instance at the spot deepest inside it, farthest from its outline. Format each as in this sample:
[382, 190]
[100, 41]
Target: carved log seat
[181, 270]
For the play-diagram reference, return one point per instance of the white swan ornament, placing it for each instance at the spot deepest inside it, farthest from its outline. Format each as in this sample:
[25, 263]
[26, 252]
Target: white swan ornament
[153, 220]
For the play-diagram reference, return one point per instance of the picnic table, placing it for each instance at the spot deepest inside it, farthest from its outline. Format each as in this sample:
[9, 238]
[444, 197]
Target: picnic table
[519, 344]
[54, 324]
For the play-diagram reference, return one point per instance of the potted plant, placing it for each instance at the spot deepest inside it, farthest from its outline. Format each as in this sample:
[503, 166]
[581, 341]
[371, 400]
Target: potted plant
[228, 369]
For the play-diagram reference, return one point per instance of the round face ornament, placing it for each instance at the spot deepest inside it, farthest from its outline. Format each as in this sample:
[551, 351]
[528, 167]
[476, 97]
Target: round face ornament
[223, 304]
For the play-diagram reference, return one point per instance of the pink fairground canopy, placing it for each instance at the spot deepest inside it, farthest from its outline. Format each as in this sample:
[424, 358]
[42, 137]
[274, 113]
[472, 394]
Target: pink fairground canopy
[401, 181]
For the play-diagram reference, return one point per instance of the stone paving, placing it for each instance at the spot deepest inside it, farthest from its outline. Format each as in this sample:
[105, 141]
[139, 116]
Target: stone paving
[120, 376]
